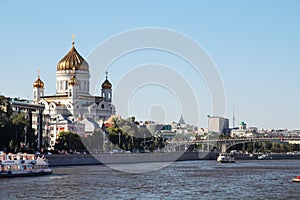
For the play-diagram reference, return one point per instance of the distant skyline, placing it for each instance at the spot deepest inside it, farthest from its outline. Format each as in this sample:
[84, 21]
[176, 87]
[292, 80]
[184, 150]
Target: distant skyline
[255, 46]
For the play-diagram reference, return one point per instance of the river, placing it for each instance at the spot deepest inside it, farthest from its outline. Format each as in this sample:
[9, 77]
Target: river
[266, 179]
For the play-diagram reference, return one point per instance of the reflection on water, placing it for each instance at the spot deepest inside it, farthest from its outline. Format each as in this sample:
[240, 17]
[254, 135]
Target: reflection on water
[190, 180]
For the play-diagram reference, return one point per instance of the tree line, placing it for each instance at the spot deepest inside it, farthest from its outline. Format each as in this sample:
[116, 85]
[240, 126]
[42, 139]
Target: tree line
[125, 135]
[15, 132]
[120, 135]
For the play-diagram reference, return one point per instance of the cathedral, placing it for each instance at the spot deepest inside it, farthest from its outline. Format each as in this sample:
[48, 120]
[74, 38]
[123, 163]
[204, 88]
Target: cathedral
[72, 107]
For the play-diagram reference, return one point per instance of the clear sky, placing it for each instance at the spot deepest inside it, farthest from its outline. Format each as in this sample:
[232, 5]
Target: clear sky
[254, 44]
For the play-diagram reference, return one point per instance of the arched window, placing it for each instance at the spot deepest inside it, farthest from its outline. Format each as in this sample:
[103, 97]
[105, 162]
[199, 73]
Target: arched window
[70, 93]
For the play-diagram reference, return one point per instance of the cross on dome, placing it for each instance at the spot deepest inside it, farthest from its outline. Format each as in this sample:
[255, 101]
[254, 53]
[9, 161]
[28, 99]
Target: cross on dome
[73, 39]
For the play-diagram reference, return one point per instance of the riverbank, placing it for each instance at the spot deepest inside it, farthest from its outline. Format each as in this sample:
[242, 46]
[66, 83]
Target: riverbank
[273, 156]
[126, 158]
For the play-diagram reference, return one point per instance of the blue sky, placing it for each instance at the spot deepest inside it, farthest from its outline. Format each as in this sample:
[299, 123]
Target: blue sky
[254, 44]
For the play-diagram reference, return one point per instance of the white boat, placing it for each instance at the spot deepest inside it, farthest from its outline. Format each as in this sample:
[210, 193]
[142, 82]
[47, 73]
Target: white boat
[264, 157]
[226, 158]
[18, 165]
[297, 179]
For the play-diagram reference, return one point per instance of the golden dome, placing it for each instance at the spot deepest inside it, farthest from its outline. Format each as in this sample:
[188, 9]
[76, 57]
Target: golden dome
[73, 81]
[73, 60]
[106, 84]
[38, 83]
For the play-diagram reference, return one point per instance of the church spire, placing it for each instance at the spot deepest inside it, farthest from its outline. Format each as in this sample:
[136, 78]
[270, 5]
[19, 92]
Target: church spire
[181, 121]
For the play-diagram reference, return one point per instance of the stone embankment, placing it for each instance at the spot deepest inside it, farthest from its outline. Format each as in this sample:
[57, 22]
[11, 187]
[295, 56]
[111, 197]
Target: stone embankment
[124, 158]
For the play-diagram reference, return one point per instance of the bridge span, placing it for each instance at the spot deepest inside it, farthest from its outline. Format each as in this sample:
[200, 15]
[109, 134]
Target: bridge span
[226, 143]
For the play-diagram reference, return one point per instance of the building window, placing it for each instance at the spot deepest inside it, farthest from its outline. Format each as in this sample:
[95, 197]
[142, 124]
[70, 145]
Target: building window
[102, 106]
[70, 93]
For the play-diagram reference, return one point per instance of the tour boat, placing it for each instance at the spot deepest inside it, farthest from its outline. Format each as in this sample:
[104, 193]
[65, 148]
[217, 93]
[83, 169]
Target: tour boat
[297, 179]
[18, 165]
[225, 158]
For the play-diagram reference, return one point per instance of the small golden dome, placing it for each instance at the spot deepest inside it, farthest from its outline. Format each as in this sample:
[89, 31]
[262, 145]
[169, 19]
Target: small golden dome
[72, 60]
[38, 83]
[106, 85]
[73, 81]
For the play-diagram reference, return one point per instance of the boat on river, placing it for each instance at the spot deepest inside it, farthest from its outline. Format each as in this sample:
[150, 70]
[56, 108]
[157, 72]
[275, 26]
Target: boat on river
[297, 179]
[264, 157]
[226, 158]
[19, 165]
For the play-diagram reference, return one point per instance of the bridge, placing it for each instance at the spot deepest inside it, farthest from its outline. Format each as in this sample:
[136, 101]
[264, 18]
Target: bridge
[226, 143]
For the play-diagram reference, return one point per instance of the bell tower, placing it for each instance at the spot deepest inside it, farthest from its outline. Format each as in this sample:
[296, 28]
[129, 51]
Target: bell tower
[106, 90]
[38, 89]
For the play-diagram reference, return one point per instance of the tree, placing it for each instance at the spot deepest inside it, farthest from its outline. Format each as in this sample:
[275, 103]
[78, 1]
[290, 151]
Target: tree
[129, 136]
[68, 141]
[5, 124]
[19, 122]
[94, 142]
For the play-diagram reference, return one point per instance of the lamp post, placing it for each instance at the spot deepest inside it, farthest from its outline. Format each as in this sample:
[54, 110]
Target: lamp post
[144, 142]
[132, 142]
[120, 140]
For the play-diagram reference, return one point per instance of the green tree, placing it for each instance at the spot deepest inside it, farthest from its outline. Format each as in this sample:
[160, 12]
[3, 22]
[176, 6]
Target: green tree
[129, 136]
[69, 141]
[23, 136]
[94, 142]
[5, 124]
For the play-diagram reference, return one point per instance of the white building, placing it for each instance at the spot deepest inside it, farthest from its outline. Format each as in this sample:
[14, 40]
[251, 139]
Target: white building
[243, 131]
[72, 99]
[218, 124]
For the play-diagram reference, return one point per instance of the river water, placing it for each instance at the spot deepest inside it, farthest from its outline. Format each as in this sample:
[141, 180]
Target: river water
[267, 179]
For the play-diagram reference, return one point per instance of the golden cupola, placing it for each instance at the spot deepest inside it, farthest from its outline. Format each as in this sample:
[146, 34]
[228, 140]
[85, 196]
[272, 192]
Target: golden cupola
[38, 83]
[73, 81]
[73, 60]
[106, 84]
